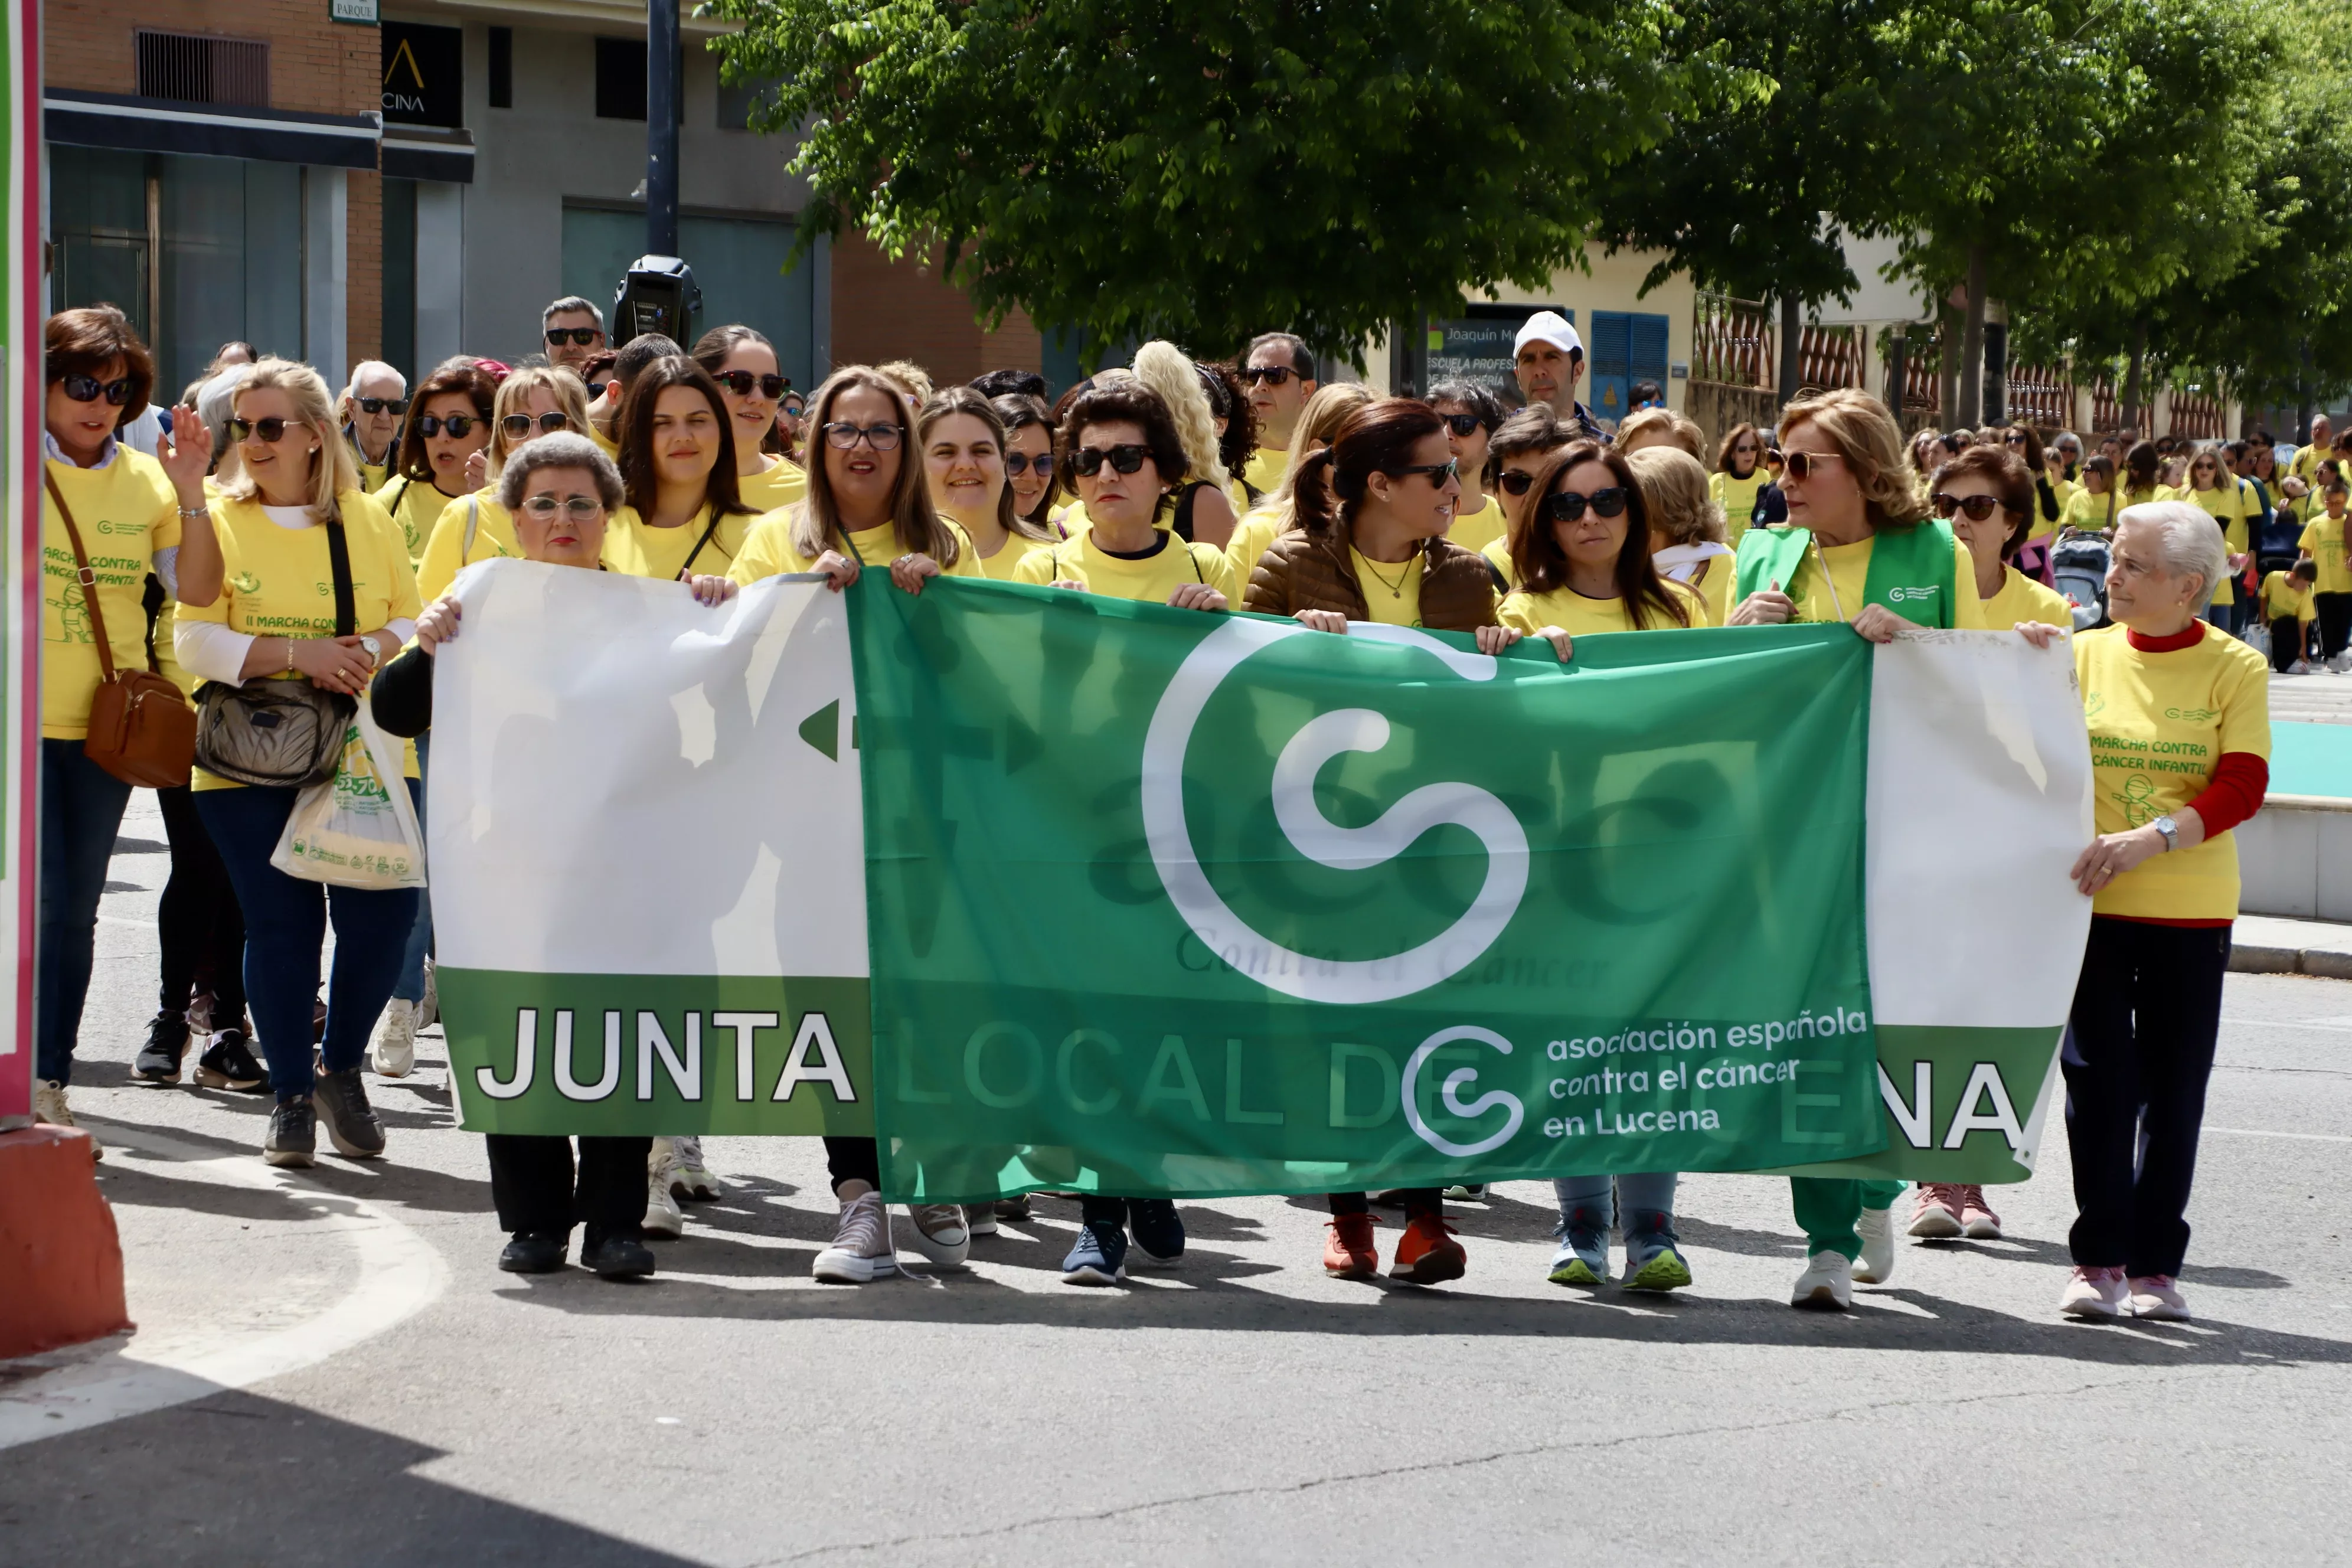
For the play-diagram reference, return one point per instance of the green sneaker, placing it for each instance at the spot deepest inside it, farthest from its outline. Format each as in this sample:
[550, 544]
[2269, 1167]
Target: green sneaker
[1653, 1260]
[1583, 1255]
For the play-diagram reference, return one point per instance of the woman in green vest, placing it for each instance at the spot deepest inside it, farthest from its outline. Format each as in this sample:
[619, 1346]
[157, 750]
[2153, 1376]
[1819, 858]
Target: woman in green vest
[1861, 548]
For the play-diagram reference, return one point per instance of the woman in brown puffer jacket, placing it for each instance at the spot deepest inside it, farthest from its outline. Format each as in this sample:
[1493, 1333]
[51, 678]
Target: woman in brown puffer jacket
[1370, 545]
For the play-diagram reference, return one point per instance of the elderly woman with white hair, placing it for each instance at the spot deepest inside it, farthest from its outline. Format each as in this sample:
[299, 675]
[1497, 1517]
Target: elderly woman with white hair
[2180, 742]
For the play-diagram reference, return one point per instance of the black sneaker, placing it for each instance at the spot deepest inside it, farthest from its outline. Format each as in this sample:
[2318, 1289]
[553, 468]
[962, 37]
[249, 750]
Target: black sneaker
[227, 1063]
[618, 1257]
[293, 1138]
[351, 1120]
[1157, 1230]
[532, 1253]
[167, 1045]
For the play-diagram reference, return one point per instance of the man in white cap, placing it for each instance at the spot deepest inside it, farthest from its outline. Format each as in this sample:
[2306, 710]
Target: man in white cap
[1547, 358]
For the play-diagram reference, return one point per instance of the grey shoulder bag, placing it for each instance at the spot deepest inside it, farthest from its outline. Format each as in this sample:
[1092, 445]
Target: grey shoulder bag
[277, 732]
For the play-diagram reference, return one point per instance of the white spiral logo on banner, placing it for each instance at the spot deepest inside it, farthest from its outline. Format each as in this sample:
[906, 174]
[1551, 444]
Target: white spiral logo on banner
[1450, 1093]
[1342, 980]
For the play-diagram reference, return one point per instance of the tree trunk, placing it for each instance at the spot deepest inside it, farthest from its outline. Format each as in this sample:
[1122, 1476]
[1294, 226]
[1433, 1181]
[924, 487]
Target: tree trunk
[1948, 367]
[1972, 411]
[2134, 419]
[2303, 398]
[1789, 362]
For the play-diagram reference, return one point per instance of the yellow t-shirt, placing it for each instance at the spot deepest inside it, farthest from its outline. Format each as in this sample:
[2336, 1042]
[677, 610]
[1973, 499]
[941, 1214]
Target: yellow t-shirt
[1007, 560]
[1392, 588]
[2323, 540]
[2062, 490]
[767, 550]
[1738, 500]
[280, 581]
[1479, 529]
[1579, 616]
[2159, 723]
[125, 512]
[1150, 579]
[1252, 538]
[636, 549]
[2023, 599]
[604, 443]
[2086, 514]
[1722, 576]
[783, 483]
[494, 536]
[413, 506]
[2283, 596]
[2228, 506]
[1848, 574]
[1497, 552]
[1266, 467]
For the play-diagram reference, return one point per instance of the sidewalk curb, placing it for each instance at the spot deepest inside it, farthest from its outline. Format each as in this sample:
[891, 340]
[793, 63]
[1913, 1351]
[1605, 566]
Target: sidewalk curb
[2248, 958]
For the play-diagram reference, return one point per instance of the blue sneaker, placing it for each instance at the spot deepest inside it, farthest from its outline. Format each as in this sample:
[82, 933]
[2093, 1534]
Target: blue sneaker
[1157, 1230]
[1097, 1257]
[1654, 1255]
[1583, 1255]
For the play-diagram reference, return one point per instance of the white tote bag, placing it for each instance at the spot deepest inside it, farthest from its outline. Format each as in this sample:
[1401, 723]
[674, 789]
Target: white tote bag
[359, 828]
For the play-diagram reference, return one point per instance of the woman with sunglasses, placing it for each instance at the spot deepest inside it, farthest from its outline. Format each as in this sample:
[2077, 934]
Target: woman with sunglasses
[1331, 407]
[2229, 500]
[1029, 459]
[1521, 449]
[1862, 549]
[962, 443]
[685, 515]
[743, 363]
[127, 511]
[1373, 510]
[535, 401]
[451, 424]
[2089, 510]
[1989, 497]
[1472, 415]
[1580, 559]
[1739, 477]
[276, 618]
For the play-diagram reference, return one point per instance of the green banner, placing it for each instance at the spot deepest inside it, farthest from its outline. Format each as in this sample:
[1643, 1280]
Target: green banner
[1164, 901]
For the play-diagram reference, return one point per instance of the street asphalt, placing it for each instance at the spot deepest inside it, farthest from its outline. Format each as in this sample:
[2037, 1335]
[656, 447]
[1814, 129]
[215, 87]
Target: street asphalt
[329, 1368]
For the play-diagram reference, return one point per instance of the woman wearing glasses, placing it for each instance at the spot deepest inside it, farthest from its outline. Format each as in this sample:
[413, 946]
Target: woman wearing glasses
[1737, 479]
[2230, 501]
[536, 401]
[1581, 560]
[2049, 505]
[276, 618]
[962, 442]
[452, 423]
[1862, 549]
[743, 363]
[1472, 413]
[1517, 457]
[685, 516]
[1029, 459]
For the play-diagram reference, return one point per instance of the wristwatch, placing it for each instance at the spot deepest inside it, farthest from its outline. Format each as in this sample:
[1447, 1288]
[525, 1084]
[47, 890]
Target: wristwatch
[376, 658]
[2171, 831]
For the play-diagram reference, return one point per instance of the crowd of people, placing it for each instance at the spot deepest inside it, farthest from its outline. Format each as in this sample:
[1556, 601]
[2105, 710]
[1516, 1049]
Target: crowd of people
[269, 539]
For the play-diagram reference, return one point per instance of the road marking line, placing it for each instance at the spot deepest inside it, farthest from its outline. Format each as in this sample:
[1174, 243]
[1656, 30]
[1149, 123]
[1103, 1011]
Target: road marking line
[2324, 1026]
[399, 1275]
[2261, 1132]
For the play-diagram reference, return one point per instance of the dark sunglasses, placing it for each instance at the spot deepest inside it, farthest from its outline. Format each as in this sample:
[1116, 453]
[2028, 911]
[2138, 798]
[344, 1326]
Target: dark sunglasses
[2014, 440]
[584, 336]
[596, 389]
[1978, 508]
[1022, 462]
[87, 389]
[1461, 424]
[1516, 482]
[1439, 473]
[1272, 374]
[1802, 464]
[382, 405]
[1567, 506]
[742, 382]
[882, 438]
[518, 425]
[1088, 460]
[457, 424]
[272, 429]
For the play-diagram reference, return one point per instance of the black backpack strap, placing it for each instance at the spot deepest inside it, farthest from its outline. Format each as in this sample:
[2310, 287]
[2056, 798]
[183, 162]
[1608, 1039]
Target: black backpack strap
[716, 516]
[339, 555]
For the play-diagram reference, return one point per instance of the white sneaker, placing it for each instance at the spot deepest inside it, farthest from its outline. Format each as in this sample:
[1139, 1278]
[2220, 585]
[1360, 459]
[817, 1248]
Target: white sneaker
[979, 1219]
[688, 1180]
[1827, 1283]
[665, 1221]
[395, 1039]
[2299, 668]
[49, 1106]
[861, 1250]
[2097, 1294]
[428, 1011]
[940, 1233]
[1876, 1264]
[2158, 1299]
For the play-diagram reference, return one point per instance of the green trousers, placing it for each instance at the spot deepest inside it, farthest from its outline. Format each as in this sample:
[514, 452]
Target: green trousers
[1827, 1208]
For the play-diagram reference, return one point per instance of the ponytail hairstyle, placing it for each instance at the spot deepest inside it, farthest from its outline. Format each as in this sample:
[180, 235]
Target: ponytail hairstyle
[816, 524]
[1542, 565]
[952, 400]
[1169, 371]
[1377, 438]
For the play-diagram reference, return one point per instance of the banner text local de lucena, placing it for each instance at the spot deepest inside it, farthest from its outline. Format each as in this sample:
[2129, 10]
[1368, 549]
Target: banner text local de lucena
[1124, 898]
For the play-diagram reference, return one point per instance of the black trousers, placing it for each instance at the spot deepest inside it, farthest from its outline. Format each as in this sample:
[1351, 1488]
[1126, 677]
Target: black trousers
[1418, 1201]
[2287, 642]
[531, 1182]
[853, 1160]
[2138, 1052]
[2335, 622]
[197, 922]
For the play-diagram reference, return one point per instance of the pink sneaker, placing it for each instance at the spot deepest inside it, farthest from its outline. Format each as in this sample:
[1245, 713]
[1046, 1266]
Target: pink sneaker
[1978, 1222]
[2157, 1298]
[1936, 1213]
[2096, 1294]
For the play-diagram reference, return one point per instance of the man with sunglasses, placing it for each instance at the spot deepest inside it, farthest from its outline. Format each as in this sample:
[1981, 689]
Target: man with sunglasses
[574, 329]
[604, 412]
[1279, 371]
[1546, 357]
[370, 409]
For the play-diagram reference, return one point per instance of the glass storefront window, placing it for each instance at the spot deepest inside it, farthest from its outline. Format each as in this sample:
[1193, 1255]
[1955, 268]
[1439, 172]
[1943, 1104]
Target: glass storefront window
[738, 262]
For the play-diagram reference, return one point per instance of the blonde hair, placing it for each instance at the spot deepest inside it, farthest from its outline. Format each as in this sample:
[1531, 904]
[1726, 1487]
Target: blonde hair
[334, 472]
[1674, 489]
[913, 378]
[1663, 426]
[1326, 411]
[1869, 443]
[1168, 371]
[571, 395]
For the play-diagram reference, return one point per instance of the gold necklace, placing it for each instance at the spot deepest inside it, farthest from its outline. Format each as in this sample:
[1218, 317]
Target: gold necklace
[1396, 589]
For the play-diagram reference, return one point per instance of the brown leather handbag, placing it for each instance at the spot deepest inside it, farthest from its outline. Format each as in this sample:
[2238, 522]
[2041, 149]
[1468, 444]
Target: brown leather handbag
[141, 728]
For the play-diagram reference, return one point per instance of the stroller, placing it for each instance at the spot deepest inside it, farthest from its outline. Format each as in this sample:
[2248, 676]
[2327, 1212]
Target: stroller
[2078, 568]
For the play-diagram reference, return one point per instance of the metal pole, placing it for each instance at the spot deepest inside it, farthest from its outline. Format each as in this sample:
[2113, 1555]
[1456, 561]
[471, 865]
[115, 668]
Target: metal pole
[662, 73]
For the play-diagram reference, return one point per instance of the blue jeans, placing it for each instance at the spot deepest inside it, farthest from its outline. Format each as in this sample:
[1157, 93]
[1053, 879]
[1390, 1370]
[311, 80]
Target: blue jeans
[2231, 618]
[411, 987]
[81, 808]
[1654, 1191]
[285, 930]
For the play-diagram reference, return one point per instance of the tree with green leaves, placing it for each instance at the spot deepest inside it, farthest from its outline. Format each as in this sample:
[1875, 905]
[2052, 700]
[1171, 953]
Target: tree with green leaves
[1131, 168]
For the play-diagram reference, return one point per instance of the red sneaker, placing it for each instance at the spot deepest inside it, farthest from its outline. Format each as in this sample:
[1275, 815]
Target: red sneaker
[1351, 1254]
[1427, 1253]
